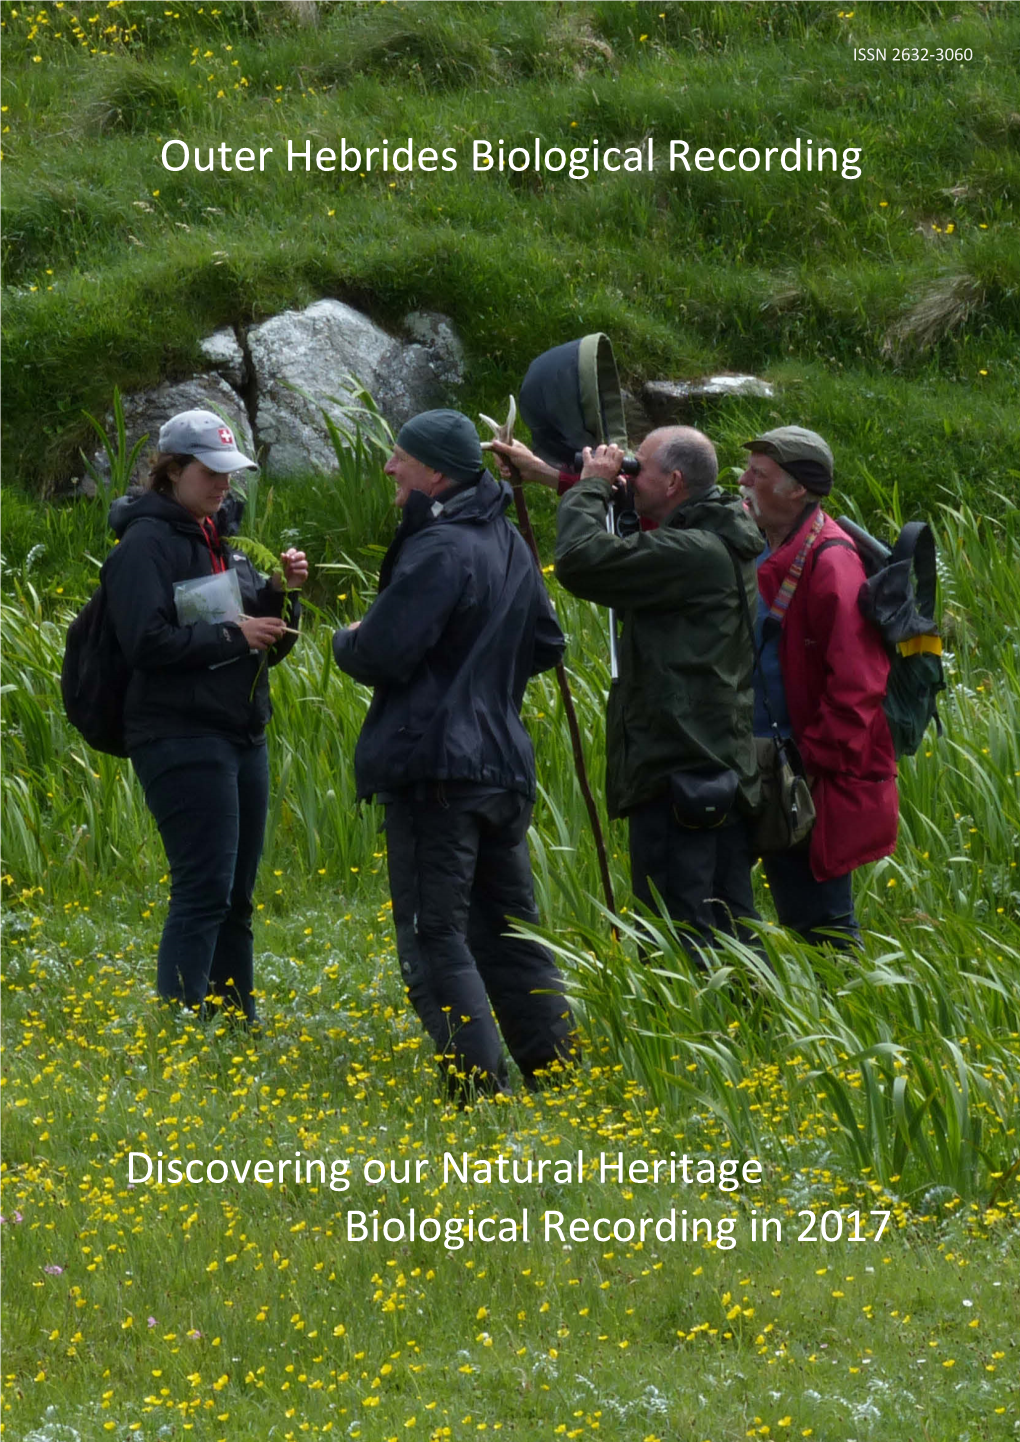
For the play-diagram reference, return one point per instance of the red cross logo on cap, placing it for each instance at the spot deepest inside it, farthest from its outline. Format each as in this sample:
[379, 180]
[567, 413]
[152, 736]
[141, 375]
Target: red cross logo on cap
[226, 436]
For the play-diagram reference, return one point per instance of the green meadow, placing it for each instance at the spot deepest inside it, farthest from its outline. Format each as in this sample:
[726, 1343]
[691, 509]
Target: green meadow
[863, 1284]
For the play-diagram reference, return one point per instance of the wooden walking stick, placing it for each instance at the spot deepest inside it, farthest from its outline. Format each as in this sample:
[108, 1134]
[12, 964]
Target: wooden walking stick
[505, 433]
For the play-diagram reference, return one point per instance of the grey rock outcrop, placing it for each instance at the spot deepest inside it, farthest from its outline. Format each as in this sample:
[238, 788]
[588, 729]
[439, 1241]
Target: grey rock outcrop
[678, 402]
[270, 383]
[306, 360]
[225, 357]
[146, 411]
[445, 353]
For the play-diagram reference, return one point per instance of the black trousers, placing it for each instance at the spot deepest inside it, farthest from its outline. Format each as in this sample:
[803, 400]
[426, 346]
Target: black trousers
[814, 909]
[209, 797]
[702, 876]
[460, 871]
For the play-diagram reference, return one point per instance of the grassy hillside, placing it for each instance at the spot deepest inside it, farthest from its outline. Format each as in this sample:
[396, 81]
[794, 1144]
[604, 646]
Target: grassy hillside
[887, 307]
[879, 1092]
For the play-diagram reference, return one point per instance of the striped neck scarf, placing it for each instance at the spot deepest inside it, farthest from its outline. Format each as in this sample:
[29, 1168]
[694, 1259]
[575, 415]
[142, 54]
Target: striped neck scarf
[785, 593]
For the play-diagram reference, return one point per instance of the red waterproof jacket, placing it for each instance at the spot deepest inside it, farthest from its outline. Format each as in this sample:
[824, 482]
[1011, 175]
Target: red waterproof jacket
[834, 669]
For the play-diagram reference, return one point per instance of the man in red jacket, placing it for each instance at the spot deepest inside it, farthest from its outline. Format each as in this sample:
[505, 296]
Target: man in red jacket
[822, 676]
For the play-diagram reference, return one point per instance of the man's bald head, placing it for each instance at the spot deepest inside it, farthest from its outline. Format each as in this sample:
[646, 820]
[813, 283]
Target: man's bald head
[682, 448]
[677, 462]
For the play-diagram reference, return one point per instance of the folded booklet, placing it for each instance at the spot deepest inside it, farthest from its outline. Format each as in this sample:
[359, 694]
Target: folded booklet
[209, 598]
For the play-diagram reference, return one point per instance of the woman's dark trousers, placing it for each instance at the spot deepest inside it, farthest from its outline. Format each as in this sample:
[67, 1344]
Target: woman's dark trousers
[209, 797]
[460, 873]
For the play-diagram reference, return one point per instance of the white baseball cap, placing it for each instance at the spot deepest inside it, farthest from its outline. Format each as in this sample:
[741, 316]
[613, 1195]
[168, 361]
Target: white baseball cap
[207, 437]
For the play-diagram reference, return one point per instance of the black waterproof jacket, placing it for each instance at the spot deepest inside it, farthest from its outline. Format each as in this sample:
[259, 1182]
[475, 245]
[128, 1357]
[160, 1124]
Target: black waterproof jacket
[461, 621]
[179, 686]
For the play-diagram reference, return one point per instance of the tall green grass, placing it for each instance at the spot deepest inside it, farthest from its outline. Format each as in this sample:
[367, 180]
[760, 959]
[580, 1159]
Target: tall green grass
[905, 1067]
[906, 1063]
[960, 818]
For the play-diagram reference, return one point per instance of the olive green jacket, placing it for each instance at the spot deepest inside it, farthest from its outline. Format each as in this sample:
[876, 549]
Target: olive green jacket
[684, 698]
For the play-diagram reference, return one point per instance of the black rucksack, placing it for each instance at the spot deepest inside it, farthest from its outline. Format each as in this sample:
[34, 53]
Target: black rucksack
[899, 599]
[94, 677]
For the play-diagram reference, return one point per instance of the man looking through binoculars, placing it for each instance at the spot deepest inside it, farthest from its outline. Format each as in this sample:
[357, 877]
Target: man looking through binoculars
[680, 759]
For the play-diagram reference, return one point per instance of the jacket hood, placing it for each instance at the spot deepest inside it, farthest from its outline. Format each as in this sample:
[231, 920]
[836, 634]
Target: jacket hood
[725, 516]
[150, 505]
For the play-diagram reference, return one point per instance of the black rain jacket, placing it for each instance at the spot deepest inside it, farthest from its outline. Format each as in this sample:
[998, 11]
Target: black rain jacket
[179, 686]
[461, 621]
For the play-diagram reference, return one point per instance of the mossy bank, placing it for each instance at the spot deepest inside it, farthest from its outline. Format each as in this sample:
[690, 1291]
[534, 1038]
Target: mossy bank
[885, 306]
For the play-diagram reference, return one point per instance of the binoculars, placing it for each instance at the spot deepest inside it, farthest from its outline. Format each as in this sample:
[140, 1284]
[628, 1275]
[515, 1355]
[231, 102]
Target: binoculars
[629, 466]
[625, 519]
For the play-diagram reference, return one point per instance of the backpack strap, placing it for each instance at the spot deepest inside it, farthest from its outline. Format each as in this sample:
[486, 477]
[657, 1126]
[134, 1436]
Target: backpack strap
[832, 541]
[916, 543]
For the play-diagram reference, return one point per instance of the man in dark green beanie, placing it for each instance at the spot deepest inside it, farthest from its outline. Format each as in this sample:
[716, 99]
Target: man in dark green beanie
[444, 443]
[461, 621]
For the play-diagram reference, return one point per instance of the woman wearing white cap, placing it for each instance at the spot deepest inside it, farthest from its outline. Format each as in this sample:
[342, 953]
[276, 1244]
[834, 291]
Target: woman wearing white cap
[198, 701]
